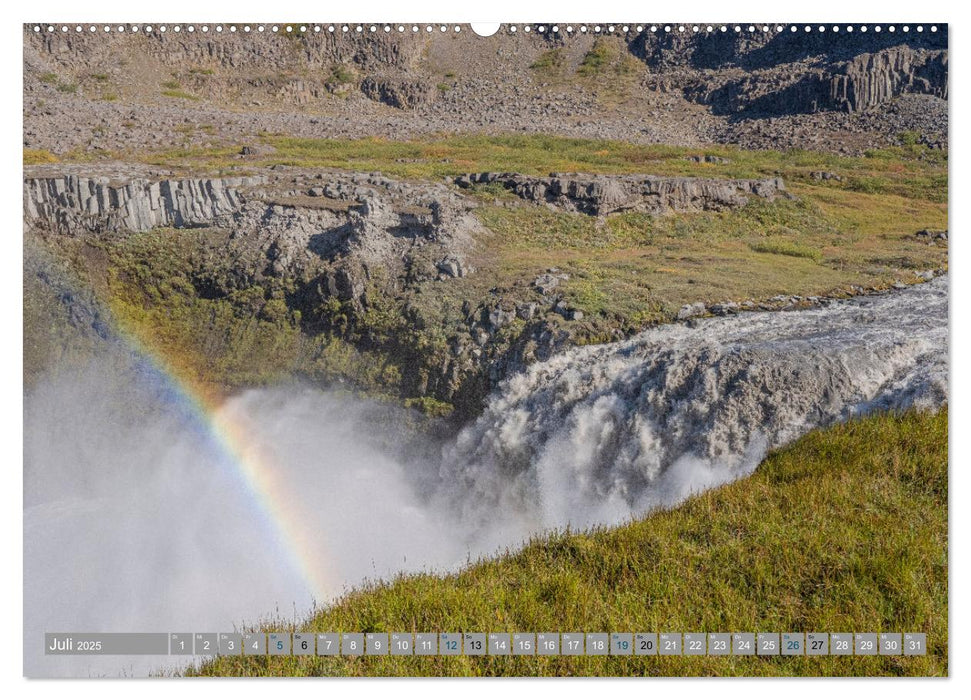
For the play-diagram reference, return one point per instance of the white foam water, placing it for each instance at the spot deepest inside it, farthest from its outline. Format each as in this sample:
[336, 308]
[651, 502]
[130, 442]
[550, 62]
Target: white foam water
[598, 434]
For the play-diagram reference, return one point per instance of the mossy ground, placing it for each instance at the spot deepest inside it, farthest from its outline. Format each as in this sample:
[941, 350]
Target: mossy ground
[845, 530]
[632, 269]
[250, 335]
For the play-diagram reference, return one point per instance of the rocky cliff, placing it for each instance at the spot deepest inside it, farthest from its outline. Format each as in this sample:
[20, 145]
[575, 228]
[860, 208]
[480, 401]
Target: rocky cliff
[70, 203]
[872, 79]
[232, 50]
[863, 82]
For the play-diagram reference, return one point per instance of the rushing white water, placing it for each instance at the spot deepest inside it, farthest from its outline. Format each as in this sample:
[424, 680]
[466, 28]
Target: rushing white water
[600, 433]
[136, 521]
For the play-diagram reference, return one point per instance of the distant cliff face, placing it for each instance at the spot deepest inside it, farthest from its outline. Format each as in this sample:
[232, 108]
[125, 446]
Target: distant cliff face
[871, 79]
[863, 82]
[759, 72]
[759, 50]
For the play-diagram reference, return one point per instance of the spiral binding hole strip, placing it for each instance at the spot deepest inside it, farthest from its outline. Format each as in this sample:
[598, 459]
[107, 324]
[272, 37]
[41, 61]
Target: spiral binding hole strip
[512, 28]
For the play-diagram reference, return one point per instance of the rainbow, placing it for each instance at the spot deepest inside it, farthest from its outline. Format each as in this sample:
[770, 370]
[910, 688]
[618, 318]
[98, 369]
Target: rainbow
[283, 516]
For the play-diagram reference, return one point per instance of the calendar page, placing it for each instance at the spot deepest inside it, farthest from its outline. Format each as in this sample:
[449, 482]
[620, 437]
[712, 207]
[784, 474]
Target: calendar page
[524, 349]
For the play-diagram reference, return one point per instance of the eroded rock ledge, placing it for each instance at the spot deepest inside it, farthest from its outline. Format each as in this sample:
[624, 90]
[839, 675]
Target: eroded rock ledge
[598, 195]
[337, 224]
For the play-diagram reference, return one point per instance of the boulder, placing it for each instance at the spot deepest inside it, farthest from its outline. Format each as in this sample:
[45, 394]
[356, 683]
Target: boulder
[450, 266]
[717, 160]
[549, 281]
[930, 236]
[725, 308]
[691, 311]
[499, 317]
[260, 149]
[567, 311]
[526, 311]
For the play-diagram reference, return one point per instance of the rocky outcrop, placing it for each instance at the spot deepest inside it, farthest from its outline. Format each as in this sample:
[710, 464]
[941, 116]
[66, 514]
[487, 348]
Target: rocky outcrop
[353, 222]
[598, 195]
[72, 203]
[871, 79]
[397, 91]
[861, 83]
[929, 236]
[763, 93]
[669, 51]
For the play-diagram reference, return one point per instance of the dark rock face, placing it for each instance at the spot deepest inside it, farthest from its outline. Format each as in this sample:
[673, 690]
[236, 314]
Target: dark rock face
[813, 84]
[598, 195]
[767, 93]
[871, 79]
[670, 51]
[761, 50]
[400, 92]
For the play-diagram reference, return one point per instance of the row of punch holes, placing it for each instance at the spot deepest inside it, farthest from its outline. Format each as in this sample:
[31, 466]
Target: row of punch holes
[401, 28]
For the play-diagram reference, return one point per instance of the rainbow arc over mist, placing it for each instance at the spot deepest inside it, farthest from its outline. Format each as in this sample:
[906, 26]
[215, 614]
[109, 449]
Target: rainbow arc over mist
[254, 467]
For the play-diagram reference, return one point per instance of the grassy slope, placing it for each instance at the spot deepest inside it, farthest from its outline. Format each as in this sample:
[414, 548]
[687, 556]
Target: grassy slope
[250, 336]
[845, 530]
[638, 269]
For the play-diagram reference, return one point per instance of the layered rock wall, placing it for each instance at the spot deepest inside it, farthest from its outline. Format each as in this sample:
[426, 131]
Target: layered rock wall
[871, 79]
[74, 203]
[864, 82]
